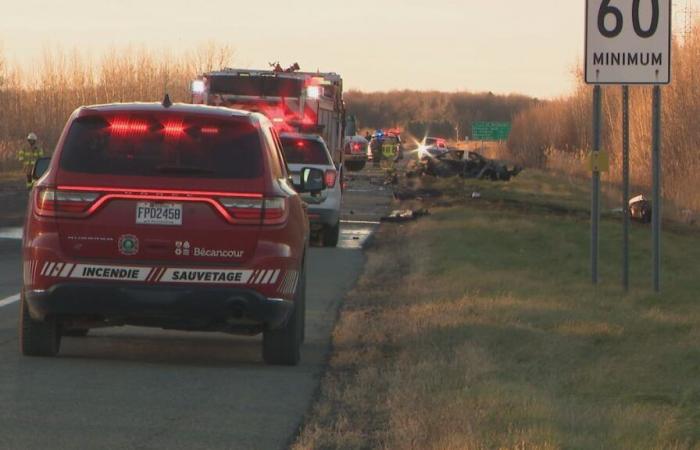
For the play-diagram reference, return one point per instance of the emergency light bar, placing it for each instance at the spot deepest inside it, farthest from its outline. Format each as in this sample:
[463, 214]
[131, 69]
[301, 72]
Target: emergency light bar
[198, 87]
[313, 92]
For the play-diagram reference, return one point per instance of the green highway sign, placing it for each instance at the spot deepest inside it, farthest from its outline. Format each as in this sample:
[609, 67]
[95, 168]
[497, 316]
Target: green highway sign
[490, 131]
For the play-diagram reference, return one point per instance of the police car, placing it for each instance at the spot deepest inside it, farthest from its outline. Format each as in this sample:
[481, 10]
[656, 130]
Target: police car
[173, 216]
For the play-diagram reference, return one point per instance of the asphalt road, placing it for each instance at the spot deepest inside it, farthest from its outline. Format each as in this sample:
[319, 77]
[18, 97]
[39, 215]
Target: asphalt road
[139, 388]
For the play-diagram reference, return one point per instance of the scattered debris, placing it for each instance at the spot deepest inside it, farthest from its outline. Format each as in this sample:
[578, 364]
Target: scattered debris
[416, 194]
[405, 215]
[640, 209]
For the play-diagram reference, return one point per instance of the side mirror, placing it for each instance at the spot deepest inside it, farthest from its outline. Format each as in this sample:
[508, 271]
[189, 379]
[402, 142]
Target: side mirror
[311, 180]
[40, 167]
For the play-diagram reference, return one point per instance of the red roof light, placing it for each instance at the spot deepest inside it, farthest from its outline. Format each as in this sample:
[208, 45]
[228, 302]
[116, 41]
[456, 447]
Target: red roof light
[210, 130]
[173, 129]
[127, 127]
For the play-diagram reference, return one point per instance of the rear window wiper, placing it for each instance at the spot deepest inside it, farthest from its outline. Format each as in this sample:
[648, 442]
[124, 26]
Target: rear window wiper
[184, 170]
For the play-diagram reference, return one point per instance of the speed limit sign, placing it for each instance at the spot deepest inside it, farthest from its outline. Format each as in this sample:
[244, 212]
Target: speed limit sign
[628, 41]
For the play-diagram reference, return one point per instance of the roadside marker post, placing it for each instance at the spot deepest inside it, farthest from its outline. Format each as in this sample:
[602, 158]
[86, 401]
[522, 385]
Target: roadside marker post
[628, 43]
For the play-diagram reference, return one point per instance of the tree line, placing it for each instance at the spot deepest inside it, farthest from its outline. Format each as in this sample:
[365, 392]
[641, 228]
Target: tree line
[436, 113]
[557, 135]
[40, 98]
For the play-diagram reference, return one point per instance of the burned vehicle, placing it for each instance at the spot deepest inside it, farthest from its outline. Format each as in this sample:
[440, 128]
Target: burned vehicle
[471, 165]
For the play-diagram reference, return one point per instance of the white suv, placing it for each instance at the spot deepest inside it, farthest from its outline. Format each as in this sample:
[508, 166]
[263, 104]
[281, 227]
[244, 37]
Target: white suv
[309, 150]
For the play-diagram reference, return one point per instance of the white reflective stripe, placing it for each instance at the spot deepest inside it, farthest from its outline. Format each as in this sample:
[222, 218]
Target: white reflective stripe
[260, 276]
[261, 279]
[152, 274]
[293, 287]
[283, 285]
[57, 269]
[273, 277]
[47, 268]
[287, 286]
[66, 270]
[160, 274]
[255, 276]
[279, 288]
[252, 276]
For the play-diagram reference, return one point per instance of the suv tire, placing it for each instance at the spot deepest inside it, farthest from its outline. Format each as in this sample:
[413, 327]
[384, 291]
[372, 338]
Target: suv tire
[282, 346]
[38, 338]
[331, 235]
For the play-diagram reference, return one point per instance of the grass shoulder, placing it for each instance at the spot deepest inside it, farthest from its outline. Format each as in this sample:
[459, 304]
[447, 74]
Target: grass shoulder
[477, 327]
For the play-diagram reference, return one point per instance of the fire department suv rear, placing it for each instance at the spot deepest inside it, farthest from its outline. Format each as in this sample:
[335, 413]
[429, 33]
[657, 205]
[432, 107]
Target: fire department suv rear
[173, 216]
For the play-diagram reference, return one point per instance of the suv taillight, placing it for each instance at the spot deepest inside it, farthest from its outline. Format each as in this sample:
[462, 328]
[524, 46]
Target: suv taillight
[330, 177]
[53, 202]
[269, 211]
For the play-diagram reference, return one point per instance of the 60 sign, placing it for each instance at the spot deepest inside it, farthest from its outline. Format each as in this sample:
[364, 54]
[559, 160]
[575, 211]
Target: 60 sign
[606, 10]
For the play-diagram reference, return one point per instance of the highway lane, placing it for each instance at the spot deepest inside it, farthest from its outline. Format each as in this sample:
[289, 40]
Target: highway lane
[139, 388]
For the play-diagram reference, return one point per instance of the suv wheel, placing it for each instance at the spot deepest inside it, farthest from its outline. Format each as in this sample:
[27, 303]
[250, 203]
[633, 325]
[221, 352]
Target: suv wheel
[281, 346]
[331, 235]
[38, 338]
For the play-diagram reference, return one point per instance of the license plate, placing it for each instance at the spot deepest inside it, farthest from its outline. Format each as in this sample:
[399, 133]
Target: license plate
[158, 213]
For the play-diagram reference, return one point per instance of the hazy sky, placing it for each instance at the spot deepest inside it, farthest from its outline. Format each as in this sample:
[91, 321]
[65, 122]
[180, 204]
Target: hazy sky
[502, 46]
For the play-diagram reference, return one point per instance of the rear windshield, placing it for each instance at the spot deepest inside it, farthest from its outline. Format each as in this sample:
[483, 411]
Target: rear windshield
[163, 145]
[305, 151]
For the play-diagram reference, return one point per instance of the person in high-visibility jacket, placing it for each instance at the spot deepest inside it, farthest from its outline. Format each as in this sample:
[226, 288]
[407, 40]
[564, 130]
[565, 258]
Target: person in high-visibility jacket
[28, 157]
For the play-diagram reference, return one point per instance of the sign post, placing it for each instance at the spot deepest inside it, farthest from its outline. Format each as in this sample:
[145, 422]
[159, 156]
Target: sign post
[625, 187]
[628, 42]
[656, 189]
[595, 187]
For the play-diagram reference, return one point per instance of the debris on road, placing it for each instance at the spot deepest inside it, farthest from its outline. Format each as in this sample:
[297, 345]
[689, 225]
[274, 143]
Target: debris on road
[640, 209]
[405, 215]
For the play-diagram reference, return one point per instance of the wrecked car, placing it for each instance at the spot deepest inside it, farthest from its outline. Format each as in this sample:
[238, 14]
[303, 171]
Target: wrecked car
[472, 165]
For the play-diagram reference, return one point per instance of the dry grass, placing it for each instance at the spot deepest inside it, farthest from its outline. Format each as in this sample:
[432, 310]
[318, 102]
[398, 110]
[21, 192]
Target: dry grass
[553, 135]
[40, 98]
[476, 328]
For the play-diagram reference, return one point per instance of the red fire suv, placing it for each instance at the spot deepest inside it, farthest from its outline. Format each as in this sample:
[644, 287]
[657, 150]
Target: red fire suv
[173, 216]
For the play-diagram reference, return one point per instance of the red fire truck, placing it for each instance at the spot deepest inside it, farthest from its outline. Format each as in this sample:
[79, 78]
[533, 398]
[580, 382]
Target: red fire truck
[307, 102]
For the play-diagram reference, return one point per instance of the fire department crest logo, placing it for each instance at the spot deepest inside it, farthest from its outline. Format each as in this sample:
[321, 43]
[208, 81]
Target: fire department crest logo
[128, 244]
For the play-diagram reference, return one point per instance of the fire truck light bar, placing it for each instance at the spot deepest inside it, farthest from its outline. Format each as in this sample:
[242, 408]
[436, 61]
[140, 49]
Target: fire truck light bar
[198, 87]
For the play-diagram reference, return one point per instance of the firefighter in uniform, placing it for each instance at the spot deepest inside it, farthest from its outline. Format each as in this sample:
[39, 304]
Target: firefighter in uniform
[28, 157]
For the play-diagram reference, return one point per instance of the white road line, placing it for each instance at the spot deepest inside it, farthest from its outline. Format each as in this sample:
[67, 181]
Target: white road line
[9, 300]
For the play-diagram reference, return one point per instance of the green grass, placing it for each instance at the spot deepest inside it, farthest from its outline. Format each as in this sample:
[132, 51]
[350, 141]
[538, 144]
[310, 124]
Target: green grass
[478, 327]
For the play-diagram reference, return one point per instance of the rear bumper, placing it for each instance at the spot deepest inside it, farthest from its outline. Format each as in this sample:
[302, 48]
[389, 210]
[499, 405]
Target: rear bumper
[354, 157]
[320, 216]
[187, 308]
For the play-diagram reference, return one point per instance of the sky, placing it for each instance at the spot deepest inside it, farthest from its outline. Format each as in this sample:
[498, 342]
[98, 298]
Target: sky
[504, 46]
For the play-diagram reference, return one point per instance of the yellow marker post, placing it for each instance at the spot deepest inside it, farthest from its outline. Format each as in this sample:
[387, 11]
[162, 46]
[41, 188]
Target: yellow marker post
[599, 161]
